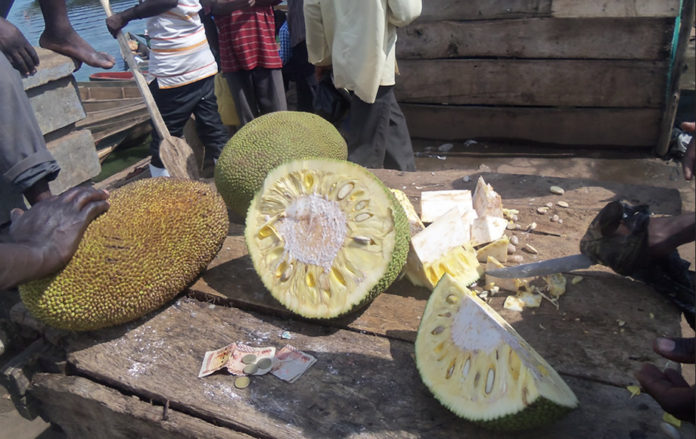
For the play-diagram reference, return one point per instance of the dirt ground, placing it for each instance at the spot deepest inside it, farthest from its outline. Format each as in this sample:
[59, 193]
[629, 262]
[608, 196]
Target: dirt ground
[616, 166]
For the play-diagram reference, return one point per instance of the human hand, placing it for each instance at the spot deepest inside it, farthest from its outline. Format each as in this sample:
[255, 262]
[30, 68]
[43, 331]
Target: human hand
[115, 23]
[15, 46]
[668, 387]
[54, 227]
[689, 160]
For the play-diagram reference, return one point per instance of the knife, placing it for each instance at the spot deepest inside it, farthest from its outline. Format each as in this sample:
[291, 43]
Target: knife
[541, 268]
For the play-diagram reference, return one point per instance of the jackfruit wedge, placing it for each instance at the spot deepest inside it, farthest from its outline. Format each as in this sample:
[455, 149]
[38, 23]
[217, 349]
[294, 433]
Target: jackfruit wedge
[481, 369]
[326, 236]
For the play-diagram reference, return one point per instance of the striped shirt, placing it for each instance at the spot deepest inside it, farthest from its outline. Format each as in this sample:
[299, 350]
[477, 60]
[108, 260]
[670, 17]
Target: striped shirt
[179, 51]
[247, 39]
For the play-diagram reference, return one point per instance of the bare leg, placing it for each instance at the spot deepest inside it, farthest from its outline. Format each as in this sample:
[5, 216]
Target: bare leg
[59, 36]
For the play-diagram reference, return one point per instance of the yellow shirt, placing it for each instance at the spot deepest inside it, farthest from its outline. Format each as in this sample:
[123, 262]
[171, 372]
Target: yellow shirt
[357, 38]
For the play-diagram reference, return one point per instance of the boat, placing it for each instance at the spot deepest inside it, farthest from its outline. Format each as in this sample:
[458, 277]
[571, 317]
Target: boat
[116, 112]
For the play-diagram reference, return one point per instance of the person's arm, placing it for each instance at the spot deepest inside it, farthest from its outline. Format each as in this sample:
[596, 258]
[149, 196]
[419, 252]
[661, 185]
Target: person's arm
[148, 8]
[403, 12]
[318, 50]
[42, 240]
[689, 160]
[17, 49]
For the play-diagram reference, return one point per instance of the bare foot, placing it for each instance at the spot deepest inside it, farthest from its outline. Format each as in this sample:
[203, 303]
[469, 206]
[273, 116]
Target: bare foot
[70, 44]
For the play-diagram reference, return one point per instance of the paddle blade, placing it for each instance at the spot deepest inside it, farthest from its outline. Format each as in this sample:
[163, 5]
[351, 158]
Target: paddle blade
[179, 159]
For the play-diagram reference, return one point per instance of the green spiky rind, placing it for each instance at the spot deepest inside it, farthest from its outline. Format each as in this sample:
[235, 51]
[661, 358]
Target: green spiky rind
[266, 142]
[538, 414]
[156, 237]
[399, 253]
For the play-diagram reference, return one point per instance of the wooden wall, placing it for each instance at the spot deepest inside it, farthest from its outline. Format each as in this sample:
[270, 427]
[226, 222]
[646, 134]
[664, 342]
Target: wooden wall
[590, 72]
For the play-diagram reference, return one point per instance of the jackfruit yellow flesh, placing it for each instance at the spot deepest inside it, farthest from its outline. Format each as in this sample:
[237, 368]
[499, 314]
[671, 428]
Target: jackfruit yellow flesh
[497, 249]
[459, 262]
[156, 237]
[414, 222]
[434, 204]
[325, 236]
[480, 368]
[504, 283]
[487, 229]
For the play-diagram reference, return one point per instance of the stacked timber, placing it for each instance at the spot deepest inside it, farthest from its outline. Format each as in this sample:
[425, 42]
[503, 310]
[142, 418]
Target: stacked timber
[56, 103]
[552, 71]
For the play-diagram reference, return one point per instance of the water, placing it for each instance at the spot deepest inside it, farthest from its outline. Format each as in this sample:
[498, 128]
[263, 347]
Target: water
[87, 17]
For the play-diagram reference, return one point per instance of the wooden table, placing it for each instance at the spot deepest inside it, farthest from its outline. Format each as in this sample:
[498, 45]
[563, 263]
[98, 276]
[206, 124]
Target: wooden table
[141, 380]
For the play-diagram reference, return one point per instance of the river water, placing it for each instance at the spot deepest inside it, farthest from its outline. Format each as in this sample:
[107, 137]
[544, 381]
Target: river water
[87, 17]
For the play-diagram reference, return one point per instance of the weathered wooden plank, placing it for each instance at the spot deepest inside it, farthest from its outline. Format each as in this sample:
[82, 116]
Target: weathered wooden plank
[396, 313]
[56, 104]
[85, 409]
[637, 127]
[600, 38]
[614, 8]
[372, 378]
[575, 83]
[76, 157]
[52, 66]
[436, 10]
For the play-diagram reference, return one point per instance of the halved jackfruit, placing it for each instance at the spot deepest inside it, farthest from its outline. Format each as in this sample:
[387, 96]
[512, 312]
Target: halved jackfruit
[480, 368]
[326, 236]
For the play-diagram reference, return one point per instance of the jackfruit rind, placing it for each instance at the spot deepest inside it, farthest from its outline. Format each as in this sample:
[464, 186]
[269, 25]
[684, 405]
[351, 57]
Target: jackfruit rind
[481, 369]
[265, 143]
[326, 236]
[156, 237]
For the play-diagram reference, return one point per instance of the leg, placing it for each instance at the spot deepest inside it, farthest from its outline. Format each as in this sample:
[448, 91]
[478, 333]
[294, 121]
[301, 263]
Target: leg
[242, 90]
[399, 149]
[305, 78]
[367, 131]
[270, 93]
[210, 129]
[24, 160]
[59, 36]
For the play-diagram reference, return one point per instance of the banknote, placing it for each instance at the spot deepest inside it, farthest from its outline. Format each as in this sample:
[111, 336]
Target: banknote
[290, 363]
[236, 366]
[216, 360]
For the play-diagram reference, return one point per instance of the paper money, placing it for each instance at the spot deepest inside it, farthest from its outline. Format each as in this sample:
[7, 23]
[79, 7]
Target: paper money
[289, 364]
[216, 360]
[236, 366]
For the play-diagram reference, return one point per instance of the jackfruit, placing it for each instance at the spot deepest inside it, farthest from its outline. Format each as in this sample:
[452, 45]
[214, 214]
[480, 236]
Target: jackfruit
[434, 204]
[443, 247]
[414, 222]
[325, 236]
[156, 237]
[497, 249]
[480, 368]
[486, 201]
[265, 143]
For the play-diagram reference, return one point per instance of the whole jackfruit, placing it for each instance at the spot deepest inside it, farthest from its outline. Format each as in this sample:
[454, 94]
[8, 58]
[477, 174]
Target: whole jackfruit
[156, 237]
[265, 143]
[326, 236]
[480, 368]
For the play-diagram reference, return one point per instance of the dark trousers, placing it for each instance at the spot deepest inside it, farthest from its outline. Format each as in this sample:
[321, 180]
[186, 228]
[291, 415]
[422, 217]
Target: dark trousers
[256, 92]
[377, 133]
[301, 72]
[176, 105]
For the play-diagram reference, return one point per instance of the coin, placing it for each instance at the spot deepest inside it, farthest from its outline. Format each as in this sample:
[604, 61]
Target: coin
[242, 382]
[264, 363]
[248, 358]
[250, 369]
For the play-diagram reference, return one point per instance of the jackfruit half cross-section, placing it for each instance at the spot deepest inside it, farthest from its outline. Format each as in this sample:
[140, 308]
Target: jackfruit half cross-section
[326, 236]
[481, 369]
[155, 239]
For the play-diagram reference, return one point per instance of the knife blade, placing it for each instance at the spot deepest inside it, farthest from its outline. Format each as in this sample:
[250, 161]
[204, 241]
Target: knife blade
[550, 266]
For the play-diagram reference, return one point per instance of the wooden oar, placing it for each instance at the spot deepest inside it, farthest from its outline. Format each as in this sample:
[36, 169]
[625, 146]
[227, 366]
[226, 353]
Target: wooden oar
[175, 153]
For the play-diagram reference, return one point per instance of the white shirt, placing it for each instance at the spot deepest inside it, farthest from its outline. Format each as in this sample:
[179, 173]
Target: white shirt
[357, 38]
[179, 51]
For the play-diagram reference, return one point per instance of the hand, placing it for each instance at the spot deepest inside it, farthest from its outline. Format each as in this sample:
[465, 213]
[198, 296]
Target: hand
[689, 160]
[17, 49]
[55, 226]
[115, 23]
[669, 388]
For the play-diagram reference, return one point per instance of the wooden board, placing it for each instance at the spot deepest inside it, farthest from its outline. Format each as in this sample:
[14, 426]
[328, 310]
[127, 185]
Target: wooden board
[601, 38]
[435, 10]
[586, 310]
[361, 386]
[633, 127]
[586, 83]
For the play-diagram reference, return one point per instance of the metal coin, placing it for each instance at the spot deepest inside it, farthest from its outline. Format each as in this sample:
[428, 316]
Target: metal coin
[242, 382]
[264, 363]
[248, 358]
[250, 369]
